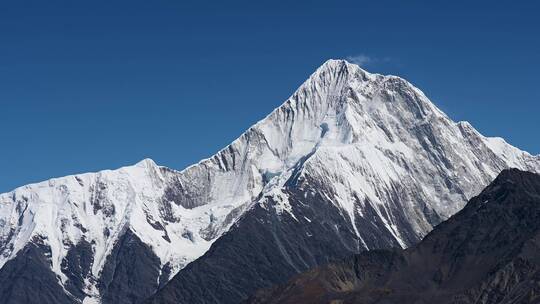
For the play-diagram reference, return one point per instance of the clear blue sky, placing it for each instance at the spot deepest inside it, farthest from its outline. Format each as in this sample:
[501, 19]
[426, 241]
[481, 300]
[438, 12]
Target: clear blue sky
[90, 85]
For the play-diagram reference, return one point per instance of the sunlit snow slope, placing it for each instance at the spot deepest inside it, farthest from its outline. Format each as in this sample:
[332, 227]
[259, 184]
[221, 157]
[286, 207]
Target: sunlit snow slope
[378, 150]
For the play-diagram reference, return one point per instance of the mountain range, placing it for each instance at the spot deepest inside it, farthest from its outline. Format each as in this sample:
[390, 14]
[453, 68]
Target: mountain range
[352, 161]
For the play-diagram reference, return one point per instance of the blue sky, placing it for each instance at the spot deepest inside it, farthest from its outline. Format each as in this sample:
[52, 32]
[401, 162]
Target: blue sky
[90, 85]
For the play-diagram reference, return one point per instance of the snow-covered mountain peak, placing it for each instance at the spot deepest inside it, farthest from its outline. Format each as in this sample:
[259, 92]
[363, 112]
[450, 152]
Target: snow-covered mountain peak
[351, 161]
[147, 162]
[338, 82]
[342, 66]
[362, 134]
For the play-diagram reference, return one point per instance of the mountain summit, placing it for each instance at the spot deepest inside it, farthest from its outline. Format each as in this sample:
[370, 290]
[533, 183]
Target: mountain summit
[351, 161]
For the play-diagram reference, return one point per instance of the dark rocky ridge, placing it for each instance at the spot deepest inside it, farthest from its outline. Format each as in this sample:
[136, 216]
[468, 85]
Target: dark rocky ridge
[486, 253]
[131, 274]
[76, 266]
[28, 278]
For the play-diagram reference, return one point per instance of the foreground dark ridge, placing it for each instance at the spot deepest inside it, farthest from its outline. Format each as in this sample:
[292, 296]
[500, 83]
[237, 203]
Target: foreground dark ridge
[486, 253]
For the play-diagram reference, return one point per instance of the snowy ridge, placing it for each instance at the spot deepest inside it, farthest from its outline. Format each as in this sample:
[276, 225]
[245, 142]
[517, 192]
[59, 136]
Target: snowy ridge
[98, 207]
[360, 135]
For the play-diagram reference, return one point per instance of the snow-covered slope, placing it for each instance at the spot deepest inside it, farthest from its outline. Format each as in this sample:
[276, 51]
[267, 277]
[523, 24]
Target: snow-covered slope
[371, 142]
[98, 208]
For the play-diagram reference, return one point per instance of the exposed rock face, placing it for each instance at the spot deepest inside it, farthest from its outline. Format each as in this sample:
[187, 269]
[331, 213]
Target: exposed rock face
[352, 160]
[486, 253]
[28, 278]
[131, 272]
